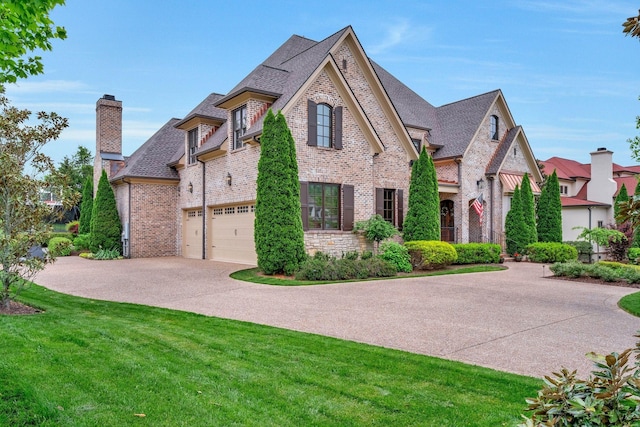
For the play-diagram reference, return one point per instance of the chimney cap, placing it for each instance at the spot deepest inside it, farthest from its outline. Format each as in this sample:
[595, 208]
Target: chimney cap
[602, 149]
[109, 97]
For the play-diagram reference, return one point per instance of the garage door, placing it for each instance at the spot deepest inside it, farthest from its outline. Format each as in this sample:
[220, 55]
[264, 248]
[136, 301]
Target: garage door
[232, 234]
[192, 234]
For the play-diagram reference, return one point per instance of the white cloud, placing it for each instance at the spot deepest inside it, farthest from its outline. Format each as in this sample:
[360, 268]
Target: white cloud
[46, 86]
[400, 33]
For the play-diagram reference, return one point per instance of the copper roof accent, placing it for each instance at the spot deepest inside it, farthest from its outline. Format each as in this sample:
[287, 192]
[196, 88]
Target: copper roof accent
[510, 180]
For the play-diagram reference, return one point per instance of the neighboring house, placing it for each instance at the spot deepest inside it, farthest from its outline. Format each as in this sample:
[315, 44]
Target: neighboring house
[588, 191]
[190, 189]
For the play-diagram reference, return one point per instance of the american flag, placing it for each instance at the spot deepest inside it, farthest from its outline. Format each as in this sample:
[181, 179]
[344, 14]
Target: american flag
[477, 206]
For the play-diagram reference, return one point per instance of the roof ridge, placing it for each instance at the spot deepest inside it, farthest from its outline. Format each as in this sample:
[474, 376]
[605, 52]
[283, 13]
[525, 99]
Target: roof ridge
[471, 97]
[316, 44]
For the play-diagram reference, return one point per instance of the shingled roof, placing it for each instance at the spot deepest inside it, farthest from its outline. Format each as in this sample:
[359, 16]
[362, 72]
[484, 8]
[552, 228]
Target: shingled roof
[150, 160]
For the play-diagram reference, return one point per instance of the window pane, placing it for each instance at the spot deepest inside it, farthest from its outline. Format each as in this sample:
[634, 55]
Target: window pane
[324, 125]
[315, 206]
[331, 203]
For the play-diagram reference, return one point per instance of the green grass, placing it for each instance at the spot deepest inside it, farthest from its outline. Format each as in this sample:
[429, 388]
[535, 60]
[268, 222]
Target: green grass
[631, 303]
[253, 275]
[92, 363]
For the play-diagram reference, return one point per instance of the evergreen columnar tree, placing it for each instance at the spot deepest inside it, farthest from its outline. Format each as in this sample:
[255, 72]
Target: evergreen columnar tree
[86, 207]
[622, 197]
[423, 217]
[550, 211]
[514, 226]
[106, 228]
[278, 233]
[528, 210]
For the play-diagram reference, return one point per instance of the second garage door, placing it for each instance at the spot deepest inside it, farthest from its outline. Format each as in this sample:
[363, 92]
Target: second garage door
[232, 234]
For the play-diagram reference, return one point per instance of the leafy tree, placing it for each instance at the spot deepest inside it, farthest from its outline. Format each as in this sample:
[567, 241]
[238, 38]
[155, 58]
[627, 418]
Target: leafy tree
[528, 210]
[621, 197]
[106, 227]
[423, 217]
[632, 26]
[86, 207]
[78, 167]
[550, 212]
[25, 26]
[23, 217]
[278, 233]
[376, 229]
[514, 226]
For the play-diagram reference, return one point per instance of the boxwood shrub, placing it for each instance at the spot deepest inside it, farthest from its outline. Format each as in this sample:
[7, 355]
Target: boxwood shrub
[397, 255]
[551, 252]
[431, 254]
[477, 253]
[60, 246]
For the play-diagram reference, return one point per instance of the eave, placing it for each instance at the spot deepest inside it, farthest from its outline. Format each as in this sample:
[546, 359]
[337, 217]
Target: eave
[243, 95]
[194, 120]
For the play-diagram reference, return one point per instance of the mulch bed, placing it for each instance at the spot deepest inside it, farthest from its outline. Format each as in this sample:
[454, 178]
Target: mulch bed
[17, 308]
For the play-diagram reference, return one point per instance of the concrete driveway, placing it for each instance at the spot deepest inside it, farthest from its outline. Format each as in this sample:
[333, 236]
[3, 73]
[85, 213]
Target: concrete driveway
[512, 320]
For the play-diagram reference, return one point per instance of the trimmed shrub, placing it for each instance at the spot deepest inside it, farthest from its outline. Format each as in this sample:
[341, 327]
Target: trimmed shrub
[423, 217]
[86, 206]
[431, 254]
[515, 228]
[351, 255]
[551, 252]
[477, 253]
[58, 234]
[549, 211]
[60, 246]
[584, 248]
[634, 254]
[397, 255]
[323, 268]
[568, 269]
[82, 242]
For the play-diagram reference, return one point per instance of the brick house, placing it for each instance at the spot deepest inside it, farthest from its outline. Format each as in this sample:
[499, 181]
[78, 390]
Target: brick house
[588, 190]
[190, 189]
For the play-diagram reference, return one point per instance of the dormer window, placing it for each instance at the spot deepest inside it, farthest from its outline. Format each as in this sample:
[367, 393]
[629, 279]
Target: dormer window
[192, 143]
[239, 126]
[495, 128]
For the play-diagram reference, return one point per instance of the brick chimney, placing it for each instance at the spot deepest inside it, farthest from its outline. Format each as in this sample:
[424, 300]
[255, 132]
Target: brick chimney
[601, 187]
[108, 138]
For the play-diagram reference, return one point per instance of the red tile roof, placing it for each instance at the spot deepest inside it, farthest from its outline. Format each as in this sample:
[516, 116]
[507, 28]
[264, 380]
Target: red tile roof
[574, 201]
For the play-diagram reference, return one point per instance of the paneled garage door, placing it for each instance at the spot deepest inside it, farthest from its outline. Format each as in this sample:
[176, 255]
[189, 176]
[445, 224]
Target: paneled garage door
[192, 234]
[232, 234]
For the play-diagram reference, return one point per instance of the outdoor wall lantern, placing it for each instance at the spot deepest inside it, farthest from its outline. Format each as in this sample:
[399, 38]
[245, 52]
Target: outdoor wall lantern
[190, 188]
[228, 179]
[480, 183]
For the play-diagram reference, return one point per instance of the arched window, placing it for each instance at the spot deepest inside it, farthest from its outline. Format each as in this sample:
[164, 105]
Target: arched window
[495, 128]
[324, 125]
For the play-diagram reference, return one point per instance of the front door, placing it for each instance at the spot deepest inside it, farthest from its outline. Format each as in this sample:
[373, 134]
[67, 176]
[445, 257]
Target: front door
[447, 223]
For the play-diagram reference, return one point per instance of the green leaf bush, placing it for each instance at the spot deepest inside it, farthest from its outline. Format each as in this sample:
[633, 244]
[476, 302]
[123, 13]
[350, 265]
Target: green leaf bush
[397, 255]
[584, 248]
[551, 252]
[634, 255]
[431, 254]
[477, 253]
[609, 271]
[82, 242]
[609, 397]
[328, 268]
[60, 246]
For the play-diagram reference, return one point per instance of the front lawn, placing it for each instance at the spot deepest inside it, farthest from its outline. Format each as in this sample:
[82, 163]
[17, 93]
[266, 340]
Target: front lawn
[631, 304]
[92, 363]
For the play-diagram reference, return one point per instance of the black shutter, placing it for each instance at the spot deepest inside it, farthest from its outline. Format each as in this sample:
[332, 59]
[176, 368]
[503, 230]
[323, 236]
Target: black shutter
[337, 117]
[347, 207]
[380, 201]
[312, 123]
[304, 204]
[400, 209]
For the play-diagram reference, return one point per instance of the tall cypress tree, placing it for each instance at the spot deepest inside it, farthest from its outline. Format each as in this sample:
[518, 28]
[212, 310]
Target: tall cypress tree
[622, 196]
[514, 226]
[278, 233]
[423, 217]
[106, 228]
[528, 210]
[86, 206]
[550, 211]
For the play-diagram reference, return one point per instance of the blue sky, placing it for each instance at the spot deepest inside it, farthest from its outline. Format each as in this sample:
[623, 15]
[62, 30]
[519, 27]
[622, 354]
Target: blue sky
[569, 75]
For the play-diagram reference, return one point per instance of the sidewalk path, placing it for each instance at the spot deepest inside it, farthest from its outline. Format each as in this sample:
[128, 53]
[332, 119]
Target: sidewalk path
[512, 320]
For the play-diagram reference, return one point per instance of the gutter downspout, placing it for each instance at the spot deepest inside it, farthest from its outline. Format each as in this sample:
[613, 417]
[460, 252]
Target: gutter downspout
[590, 255]
[491, 229]
[204, 210]
[129, 220]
